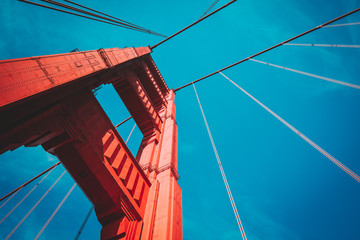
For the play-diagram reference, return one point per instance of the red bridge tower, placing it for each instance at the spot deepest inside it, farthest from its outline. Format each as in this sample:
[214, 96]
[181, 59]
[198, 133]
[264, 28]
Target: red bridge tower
[49, 101]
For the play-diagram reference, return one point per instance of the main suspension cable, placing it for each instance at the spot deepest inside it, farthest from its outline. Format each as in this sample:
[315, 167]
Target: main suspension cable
[133, 26]
[233, 205]
[64, 11]
[118, 125]
[74, 3]
[54, 213]
[322, 45]
[31, 180]
[268, 49]
[194, 23]
[36, 204]
[317, 147]
[13, 209]
[309, 74]
[79, 15]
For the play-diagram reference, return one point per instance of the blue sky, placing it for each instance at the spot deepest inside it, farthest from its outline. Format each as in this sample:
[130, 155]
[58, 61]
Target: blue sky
[284, 189]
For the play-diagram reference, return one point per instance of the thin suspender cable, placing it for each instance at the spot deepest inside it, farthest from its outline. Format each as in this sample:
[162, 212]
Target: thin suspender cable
[13, 209]
[31, 180]
[54, 213]
[317, 147]
[132, 130]
[268, 49]
[309, 74]
[194, 23]
[322, 45]
[133, 26]
[84, 223]
[79, 15]
[209, 8]
[343, 24]
[32, 209]
[9, 198]
[123, 122]
[233, 205]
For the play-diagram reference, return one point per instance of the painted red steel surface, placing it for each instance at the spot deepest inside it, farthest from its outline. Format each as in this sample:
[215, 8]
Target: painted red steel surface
[48, 101]
[163, 214]
[21, 78]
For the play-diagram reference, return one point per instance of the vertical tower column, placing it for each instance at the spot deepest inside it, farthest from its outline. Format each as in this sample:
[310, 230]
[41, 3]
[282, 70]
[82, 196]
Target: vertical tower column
[163, 214]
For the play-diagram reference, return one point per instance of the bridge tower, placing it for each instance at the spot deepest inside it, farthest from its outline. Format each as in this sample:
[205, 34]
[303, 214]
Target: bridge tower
[49, 101]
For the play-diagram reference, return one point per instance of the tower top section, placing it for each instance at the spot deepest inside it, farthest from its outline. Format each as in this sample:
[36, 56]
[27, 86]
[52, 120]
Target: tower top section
[33, 83]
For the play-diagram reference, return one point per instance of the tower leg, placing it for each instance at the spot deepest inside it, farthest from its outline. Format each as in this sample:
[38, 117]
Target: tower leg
[163, 213]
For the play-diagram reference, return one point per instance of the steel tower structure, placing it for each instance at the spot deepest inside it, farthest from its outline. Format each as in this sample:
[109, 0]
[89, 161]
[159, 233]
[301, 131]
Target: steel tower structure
[49, 101]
